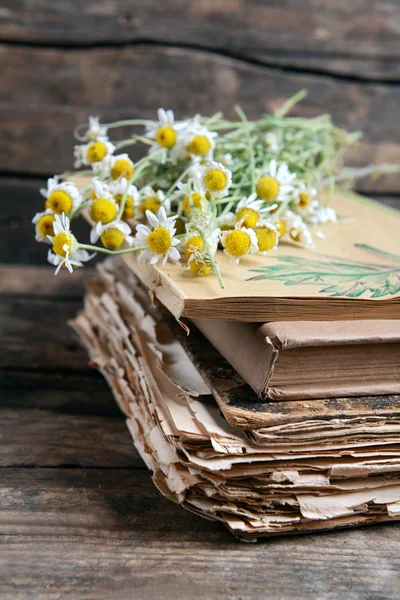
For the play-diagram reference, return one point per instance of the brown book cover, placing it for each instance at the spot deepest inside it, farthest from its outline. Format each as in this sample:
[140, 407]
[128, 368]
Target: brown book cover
[302, 360]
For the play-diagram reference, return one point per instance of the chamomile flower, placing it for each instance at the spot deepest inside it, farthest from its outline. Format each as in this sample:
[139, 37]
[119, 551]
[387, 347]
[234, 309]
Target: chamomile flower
[43, 222]
[61, 197]
[324, 214]
[239, 242]
[96, 131]
[103, 207]
[93, 152]
[214, 179]
[192, 200]
[227, 159]
[113, 235]
[267, 236]
[118, 188]
[248, 210]
[297, 229]
[305, 203]
[115, 167]
[271, 140]
[198, 141]
[199, 264]
[158, 238]
[226, 221]
[152, 200]
[193, 242]
[164, 132]
[276, 183]
[65, 248]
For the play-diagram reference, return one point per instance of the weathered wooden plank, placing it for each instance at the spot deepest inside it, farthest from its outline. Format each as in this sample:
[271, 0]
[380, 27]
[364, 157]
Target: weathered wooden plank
[35, 335]
[45, 438]
[39, 281]
[356, 38]
[103, 534]
[58, 419]
[38, 119]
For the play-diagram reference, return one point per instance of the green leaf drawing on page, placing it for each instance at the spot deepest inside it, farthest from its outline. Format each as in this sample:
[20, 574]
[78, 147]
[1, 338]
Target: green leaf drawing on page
[337, 277]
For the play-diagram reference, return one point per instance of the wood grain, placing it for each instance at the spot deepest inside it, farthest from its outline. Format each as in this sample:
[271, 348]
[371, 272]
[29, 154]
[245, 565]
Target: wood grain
[358, 38]
[49, 420]
[133, 82]
[35, 334]
[107, 534]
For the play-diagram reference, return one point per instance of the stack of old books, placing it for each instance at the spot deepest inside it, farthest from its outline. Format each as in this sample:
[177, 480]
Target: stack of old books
[271, 405]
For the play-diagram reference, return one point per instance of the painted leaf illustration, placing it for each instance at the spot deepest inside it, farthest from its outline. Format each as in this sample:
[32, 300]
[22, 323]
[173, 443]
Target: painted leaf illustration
[336, 277]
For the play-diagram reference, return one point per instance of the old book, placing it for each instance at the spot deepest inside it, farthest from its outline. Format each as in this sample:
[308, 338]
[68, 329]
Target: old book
[352, 273]
[301, 360]
[319, 473]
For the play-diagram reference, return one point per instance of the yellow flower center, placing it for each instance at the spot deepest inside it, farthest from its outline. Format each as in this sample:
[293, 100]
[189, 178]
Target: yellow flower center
[266, 238]
[45, 225]
[215, 180]
[159, 240]
[199, 145]
[251, 216]
[96, 152]
[186, 205]
[129, 209]
[122, 167]
[112, 238]
[193, 243]
[166, 136]
[59, 202]
[267, 188]
[237, 243]
[152, 203]
[62, 240]
[196, 199]
[304, 199]
[199, 267]
[103, 210]
[280, 227]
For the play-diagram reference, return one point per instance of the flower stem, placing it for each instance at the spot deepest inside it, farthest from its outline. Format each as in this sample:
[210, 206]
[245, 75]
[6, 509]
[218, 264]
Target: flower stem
[211, 258]
[112, 252]
[288, 105]
[123, 199]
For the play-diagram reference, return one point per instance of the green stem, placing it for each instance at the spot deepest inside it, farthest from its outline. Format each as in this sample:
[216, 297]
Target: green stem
[126, 123]
[181, 176]
[209, 254]
[250, 147]
[123, 199]
[288, 105]
[112, 252]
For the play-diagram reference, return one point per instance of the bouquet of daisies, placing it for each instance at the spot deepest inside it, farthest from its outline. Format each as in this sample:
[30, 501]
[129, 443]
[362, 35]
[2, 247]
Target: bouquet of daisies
[204, 183]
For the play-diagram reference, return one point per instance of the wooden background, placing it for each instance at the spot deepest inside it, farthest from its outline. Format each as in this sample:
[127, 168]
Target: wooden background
[79, 515]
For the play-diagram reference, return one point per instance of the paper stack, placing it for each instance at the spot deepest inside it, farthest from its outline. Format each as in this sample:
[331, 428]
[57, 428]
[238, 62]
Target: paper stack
[261, 466]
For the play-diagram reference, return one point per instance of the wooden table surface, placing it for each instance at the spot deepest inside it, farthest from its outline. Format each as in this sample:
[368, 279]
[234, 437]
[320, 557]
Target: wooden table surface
[79, 515]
